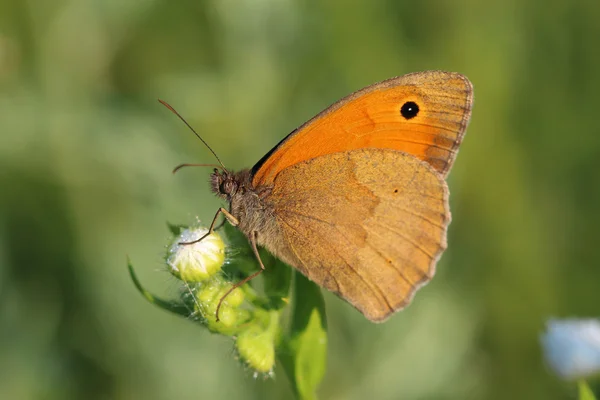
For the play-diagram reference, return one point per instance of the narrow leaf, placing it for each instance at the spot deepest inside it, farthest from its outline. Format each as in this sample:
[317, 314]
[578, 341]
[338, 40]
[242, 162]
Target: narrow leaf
[304, 353]
[585, 393]
[172, 306]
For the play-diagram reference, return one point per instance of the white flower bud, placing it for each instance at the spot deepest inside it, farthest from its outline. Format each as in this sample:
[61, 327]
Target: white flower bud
[198, 261]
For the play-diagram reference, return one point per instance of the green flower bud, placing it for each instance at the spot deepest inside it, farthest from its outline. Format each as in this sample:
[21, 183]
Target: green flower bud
[235, 298]
[228, 317]
[209, 294]
[199, 261]
[256, 345]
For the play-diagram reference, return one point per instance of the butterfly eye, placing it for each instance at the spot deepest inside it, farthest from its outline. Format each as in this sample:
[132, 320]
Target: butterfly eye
[409, 110]
[228, 187]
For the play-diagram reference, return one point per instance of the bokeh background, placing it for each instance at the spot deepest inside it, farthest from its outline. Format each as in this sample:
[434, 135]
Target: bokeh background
[86, 154]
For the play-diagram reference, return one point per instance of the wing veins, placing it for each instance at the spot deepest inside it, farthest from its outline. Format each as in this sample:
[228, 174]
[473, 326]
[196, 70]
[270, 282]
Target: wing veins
[367, 283]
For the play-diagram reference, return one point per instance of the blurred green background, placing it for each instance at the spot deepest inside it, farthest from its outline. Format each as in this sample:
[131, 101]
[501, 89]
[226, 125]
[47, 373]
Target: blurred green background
[86, 154]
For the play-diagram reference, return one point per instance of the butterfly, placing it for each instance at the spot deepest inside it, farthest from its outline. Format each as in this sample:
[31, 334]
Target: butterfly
[356, 198]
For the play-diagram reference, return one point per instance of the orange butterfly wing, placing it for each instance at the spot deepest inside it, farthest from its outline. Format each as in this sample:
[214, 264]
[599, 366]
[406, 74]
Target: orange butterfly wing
[384, 116]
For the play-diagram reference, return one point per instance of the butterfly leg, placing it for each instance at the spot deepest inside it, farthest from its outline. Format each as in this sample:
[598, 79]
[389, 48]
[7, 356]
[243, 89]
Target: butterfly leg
[232, 220]
[220, 225]
[228, 217]
[246, 279]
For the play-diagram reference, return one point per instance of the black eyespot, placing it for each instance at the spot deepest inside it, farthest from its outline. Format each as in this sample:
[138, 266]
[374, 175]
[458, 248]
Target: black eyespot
[409, 110]
[395, 190]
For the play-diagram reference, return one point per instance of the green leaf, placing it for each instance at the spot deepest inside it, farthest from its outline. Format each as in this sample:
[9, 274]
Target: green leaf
[236, 238]
[172, 306]
[585, 393]
[277, 278]
[176, 229]
[304, 350]
[240, 257]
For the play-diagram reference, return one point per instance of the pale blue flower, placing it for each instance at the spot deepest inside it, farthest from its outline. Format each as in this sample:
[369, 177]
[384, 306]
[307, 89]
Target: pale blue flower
[572, 347]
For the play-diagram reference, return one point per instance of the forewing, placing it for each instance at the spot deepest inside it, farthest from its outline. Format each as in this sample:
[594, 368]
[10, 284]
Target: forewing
[372, 117]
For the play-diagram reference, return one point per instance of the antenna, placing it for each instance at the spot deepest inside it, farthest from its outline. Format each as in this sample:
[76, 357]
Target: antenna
[177, 168]
[164, 103]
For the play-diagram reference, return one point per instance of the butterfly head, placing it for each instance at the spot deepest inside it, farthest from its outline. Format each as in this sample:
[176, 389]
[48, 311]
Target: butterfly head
[224, 184]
